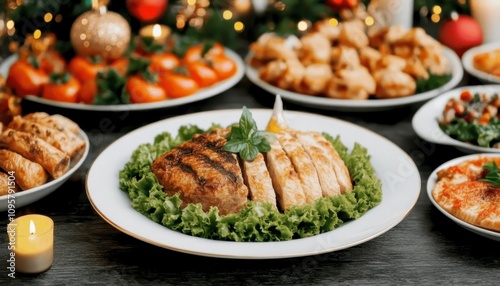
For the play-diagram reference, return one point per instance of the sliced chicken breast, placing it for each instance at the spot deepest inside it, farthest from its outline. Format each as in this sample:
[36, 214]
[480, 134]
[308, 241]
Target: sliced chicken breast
[285, 179]
[322, 162]
[258, 180]
[343, 176]
[303, 166]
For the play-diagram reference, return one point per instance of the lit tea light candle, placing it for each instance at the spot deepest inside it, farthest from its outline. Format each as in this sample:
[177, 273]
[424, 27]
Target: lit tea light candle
[32, 241]
[159, 33]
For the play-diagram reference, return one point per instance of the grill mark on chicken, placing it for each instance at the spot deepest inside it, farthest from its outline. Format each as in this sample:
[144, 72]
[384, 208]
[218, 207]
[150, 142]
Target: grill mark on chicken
[201, 172]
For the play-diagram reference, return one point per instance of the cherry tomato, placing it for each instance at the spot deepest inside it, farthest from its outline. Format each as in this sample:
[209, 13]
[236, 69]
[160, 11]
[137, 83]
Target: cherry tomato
[224, 66]
[195, 53]
[24, 79]
[84, 69]
[65, 89]
[164, 62]
[142, 91]
[52, 62]
[178, 85]
[202, 73]
[88, 91]
[120, 65]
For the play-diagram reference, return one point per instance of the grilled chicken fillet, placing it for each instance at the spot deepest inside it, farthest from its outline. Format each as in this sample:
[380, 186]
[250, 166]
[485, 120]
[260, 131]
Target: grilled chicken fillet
[201, 172]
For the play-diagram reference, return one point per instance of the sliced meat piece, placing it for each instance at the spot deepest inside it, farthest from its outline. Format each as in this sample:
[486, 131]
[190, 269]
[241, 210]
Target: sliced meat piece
[258, 180]
[53, 160]
[343, 176]
[322, 162]
[286, 182]
[69, 143]
[303, 166]
[55, 121]
[201, 172]
[27, 174]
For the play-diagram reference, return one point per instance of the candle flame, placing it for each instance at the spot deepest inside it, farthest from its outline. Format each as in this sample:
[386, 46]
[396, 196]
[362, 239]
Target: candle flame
[156, 31]
[32, 227]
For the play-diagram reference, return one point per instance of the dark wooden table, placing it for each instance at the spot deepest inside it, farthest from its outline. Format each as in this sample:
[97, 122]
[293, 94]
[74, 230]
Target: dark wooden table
[425, 248]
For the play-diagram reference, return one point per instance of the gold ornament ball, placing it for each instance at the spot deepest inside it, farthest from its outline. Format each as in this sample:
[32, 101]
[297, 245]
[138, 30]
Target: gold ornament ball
[100, 34]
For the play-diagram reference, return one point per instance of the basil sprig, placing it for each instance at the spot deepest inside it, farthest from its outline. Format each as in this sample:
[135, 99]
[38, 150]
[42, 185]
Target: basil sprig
[493, 176]
[246, 140]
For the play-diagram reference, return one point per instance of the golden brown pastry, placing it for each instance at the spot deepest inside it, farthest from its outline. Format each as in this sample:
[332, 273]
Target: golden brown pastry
[27, 174]
[64, 141]
[53, 160]
[55, 121]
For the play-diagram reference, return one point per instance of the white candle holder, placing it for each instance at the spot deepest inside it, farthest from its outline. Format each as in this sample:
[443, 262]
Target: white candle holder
[487, 14]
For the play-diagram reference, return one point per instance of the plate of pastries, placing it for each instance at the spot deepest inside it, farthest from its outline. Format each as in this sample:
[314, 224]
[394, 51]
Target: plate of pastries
[345, 66]
[38, 153]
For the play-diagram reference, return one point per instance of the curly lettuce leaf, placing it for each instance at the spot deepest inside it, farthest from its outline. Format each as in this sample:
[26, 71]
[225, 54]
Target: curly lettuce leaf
[257, 222]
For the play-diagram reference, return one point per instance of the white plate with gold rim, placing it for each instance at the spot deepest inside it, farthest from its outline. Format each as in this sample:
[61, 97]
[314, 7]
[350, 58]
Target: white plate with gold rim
[399, 175]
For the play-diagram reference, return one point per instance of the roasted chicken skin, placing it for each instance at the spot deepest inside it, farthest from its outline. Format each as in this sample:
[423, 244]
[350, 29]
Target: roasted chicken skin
[201, 172]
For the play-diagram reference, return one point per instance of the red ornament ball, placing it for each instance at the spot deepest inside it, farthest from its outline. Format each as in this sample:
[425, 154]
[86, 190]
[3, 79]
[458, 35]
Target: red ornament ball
[460, 33]
[146, 10]
[338, 5]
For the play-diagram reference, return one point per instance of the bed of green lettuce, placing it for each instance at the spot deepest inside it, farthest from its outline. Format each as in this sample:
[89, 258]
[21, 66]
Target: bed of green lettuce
[256, 222]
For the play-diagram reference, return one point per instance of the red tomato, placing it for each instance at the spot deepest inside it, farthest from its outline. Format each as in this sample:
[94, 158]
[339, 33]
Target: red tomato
[24, 79]
[164, 62]
[52, 62]
[178, 85]
[194, 53]
[83, 69]
[66, 90]
[203, 74]
[88, 91]
[224, 66]
[142, 91]
[120, 65]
